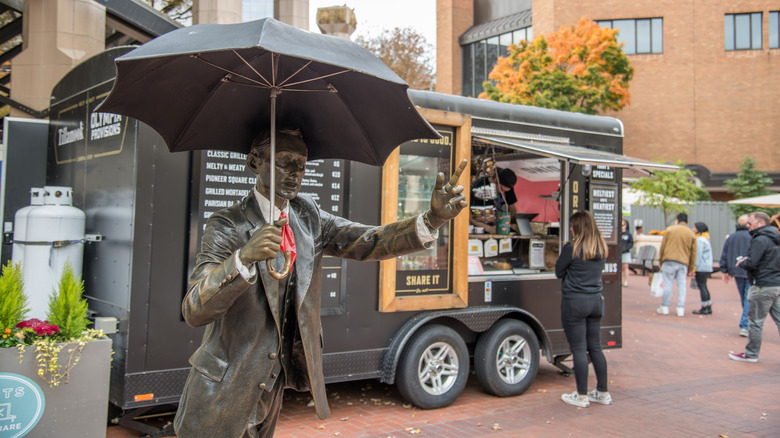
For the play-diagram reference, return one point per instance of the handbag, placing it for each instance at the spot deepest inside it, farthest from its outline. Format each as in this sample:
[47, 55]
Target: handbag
[657, 285]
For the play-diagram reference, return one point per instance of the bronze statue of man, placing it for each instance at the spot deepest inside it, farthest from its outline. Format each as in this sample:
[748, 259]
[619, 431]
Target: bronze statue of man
[263, 334]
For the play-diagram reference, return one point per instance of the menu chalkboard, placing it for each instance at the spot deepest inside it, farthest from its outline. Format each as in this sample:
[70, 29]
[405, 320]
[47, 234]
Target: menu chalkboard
[220, 179]
[604, 207]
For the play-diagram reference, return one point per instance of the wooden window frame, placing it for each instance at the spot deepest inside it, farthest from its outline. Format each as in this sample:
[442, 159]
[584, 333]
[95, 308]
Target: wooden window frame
[388, 301]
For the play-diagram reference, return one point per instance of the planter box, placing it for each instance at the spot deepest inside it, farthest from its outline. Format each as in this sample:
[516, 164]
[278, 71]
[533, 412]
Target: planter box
[77, 409]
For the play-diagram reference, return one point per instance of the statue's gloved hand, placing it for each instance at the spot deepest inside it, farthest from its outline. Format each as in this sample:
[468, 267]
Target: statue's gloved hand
[264, 243]
[447, 200]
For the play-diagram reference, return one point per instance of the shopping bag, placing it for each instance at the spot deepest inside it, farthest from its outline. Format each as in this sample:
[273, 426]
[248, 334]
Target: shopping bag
[657, 286]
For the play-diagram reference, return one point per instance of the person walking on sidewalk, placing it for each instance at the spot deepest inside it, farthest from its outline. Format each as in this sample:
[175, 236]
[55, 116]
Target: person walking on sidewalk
[678, 258]
[735, 247]
[703, 266]
[628, 243]
[763, 266]
[580, 266]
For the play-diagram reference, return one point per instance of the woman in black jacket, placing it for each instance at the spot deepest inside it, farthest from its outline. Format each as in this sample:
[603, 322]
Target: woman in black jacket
[628, 243]
[580, 266]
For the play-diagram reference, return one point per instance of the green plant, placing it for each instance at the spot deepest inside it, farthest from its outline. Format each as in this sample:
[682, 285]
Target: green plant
[748, 183]
[67, 308]
[670, 191]
[65, 331]
[13, 301]
[47, 355]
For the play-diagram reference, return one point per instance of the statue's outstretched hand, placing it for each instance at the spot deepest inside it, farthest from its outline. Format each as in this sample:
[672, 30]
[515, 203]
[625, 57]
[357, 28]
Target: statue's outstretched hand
[447, 200]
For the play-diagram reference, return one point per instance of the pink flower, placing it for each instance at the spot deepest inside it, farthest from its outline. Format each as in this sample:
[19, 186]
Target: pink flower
[41, 328]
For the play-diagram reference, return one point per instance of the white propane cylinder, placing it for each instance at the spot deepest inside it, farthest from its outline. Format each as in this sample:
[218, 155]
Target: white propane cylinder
[20, 223]
[54, 237]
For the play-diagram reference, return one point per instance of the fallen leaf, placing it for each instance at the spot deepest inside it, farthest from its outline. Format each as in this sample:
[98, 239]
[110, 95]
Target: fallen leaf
[321, 427]
[497, 427]
[412, 430]
[337, 433]
[478, 424]
[405, 405]
[311, 402]
[342, 418]
[723, 435]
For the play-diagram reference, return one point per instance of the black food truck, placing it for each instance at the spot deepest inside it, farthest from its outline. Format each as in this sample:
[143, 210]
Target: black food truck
[490, 301]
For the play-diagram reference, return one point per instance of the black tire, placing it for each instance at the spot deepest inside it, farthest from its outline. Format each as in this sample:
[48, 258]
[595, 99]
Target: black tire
[434, 368]
[507, 358]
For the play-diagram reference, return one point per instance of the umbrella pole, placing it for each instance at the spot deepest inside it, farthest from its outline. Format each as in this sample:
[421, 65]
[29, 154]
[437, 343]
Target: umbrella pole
[272, 196]
[272, 157]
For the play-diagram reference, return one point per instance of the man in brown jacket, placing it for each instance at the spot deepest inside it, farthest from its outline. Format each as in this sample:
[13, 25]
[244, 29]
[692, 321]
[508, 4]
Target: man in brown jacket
[678, 258]
[262, 334]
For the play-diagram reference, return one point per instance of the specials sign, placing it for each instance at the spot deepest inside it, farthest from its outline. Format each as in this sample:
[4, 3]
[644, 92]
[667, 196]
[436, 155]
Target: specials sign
[604, 207]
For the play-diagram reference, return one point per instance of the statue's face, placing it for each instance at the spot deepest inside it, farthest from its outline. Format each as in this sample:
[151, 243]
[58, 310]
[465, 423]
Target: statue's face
[290, 168]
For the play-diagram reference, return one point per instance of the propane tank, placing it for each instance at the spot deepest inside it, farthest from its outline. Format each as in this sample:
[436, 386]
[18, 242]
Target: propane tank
[54, 236]
[20, 223]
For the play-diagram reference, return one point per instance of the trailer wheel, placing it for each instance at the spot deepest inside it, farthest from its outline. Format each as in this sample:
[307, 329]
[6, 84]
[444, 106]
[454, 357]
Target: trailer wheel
[507, 358]
[433, 368]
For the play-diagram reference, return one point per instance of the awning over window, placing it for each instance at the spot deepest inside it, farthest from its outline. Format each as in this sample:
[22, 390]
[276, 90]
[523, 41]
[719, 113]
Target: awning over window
[576, 154]
[496, 27]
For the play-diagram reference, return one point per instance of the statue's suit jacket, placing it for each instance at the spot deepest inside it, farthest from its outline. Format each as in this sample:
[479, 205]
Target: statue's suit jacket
[235, 362]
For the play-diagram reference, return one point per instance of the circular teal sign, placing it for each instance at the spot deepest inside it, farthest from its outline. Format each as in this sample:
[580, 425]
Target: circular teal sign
[21, 405]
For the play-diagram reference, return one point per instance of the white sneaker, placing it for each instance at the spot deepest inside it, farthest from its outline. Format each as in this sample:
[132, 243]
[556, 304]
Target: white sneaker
[663, 310]
[600, 397]
[681, 311]
[744, 332]
[576, 400]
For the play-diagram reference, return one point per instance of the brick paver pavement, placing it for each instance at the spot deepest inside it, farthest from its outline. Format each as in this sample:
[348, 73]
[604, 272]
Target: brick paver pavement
[672, 378]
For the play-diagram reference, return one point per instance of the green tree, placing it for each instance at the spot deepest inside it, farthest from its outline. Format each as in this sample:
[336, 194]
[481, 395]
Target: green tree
[671, 191]
[13, 301]
[406, 52]
[179, 10]
[67, 308]
[749, 182]
[578, 68]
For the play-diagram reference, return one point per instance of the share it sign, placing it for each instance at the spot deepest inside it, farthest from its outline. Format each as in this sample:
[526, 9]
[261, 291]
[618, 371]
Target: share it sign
[21, 405]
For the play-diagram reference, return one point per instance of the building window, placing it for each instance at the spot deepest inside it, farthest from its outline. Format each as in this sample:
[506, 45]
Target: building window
[639, 36]
[480, 57]
[743, 31]
[774, 30]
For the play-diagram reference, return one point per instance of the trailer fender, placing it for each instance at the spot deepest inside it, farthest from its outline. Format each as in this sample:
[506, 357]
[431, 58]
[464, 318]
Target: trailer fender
[476, 319]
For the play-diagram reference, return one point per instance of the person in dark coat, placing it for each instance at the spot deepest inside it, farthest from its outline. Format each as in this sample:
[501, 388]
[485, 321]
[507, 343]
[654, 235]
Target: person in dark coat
[580, 266]
[627, 244]
[735, 247]
[763, 266]
[264, 334]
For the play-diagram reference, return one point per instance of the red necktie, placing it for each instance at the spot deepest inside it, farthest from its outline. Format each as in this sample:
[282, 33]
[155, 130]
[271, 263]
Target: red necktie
[288, 240]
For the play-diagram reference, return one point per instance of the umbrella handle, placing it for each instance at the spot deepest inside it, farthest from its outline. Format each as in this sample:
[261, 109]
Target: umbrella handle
[285, 270]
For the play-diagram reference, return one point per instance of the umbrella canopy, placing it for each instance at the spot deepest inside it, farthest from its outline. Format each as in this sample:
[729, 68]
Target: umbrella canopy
[766, 201]
[210, 86]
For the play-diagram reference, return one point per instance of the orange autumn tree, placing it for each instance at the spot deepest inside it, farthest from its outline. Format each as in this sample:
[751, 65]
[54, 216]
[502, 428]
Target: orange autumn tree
[579, 68]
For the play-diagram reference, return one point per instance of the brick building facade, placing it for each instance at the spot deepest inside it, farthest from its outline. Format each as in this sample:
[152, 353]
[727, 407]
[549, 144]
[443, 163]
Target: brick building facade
[705, 88]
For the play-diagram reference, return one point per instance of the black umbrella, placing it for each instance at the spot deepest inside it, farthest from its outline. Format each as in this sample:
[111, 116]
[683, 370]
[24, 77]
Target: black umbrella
[215, 86]
[209, 86]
